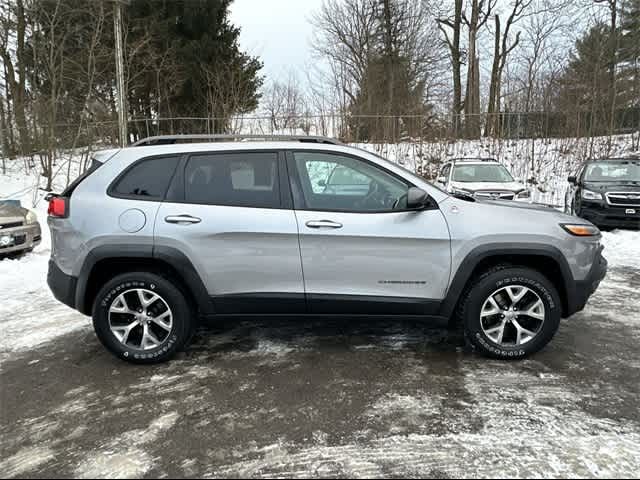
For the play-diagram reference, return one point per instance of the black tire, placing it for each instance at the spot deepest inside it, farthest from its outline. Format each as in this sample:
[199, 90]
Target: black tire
[483, 287]
[182, 317]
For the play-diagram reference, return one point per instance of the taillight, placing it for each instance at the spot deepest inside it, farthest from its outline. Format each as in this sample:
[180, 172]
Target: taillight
[58, 207]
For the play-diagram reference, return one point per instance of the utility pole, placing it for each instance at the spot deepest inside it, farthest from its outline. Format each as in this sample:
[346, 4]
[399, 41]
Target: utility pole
[120, 85]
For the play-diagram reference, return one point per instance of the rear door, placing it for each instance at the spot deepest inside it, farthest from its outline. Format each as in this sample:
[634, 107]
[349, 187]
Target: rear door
[230, 213]
[361, 251]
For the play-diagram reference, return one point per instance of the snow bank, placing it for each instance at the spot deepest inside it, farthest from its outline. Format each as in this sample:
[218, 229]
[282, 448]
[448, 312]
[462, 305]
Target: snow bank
[29, 314]
[622, 248]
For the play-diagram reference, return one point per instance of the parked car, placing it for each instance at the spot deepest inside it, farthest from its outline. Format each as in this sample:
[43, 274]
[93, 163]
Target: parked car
[156, 237]
[606, 192]
[481, 177]
[19, 228]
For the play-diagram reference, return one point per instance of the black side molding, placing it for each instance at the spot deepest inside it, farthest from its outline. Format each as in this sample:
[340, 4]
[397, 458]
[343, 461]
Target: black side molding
[167, 255]
[477, 255]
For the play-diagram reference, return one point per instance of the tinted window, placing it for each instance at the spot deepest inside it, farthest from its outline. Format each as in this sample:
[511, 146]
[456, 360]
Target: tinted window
[613, 171]
[481, 173]
[234, 179]
[147, 179]
[335, 182]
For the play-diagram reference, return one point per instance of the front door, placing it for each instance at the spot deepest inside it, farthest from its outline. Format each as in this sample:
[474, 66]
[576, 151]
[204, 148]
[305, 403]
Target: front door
[362, 252]
[228, 214]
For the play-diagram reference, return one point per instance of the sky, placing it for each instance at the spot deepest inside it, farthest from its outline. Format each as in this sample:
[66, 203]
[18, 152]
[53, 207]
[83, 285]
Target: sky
[278, 31]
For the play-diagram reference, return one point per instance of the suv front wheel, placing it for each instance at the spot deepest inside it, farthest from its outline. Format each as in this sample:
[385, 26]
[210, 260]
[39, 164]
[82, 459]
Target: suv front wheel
[142, 318]
[510, 312]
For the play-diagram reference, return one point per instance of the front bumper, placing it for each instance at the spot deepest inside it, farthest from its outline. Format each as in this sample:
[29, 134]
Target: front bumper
[587, 287]
[62, 286]
[24, 237]
[608, 216]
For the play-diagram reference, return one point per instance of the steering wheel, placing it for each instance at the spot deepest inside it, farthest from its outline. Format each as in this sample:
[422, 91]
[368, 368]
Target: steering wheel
[372, 199]
[401, 203]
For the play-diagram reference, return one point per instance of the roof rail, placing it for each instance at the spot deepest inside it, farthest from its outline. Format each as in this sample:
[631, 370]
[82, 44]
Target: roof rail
[473, 159]
[195, 138]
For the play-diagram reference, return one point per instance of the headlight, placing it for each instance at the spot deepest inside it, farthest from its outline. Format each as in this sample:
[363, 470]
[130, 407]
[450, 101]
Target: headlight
[589, 195]
[524, 194]
[580, 230]
[31, 218]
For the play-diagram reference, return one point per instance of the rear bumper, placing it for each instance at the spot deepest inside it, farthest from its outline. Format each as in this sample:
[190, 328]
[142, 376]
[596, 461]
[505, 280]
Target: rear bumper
[62, 286]
[585, 288]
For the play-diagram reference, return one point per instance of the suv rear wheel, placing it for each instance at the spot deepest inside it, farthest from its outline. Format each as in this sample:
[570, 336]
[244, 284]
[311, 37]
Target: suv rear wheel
[510, 312]
[142, 318]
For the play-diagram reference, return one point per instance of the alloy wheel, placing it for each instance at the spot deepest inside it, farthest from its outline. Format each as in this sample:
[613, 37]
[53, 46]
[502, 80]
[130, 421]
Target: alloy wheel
[140, 319]
[512, 316]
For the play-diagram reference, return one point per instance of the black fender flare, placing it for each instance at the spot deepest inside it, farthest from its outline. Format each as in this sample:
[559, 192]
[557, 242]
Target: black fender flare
[168, 255]
[482, 252]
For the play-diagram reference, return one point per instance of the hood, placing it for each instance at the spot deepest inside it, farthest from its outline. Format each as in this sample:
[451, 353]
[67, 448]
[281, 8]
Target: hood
[619, 186]
[527, 206]
[479, 186]
[554, 215]
[9, 213]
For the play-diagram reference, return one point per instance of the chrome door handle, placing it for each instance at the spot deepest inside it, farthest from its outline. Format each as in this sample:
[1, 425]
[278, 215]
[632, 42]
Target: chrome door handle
[323, 224]
[182, 219]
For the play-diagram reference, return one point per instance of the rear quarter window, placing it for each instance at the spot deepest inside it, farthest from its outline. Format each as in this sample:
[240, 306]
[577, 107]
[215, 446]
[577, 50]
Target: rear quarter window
[147, 179]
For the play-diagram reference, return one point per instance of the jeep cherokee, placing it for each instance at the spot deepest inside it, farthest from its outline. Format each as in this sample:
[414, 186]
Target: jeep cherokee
[155, 237]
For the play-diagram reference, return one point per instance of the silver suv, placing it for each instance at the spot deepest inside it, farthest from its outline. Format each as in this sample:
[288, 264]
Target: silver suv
[481, 177]
[156, 237]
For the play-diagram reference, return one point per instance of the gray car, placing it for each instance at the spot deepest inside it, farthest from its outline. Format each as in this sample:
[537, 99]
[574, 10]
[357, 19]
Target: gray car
[158, 236]
[19, 228]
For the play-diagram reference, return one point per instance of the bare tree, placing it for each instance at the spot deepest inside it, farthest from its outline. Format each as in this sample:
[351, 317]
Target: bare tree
[480, 13]
[612, 54]
[452, 39]
[284, 103]
[503, 46]
[13, 27]
[344, 32]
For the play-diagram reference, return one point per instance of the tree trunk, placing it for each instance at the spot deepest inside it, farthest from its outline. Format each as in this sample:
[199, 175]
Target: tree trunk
[472, 100]
[494, 93]
[613, 52]
[456, 67]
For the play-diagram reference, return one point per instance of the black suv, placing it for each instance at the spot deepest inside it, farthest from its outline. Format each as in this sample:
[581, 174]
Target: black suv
[607, 193]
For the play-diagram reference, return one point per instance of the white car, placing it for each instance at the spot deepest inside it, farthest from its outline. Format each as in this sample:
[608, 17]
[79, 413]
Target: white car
[481, 177]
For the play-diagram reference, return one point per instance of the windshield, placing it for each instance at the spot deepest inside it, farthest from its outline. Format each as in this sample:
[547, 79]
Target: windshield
[481, 173]
[628, 171]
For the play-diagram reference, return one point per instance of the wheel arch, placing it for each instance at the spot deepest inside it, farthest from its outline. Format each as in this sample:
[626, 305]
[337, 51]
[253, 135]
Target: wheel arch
[105, 262]
[545, 259]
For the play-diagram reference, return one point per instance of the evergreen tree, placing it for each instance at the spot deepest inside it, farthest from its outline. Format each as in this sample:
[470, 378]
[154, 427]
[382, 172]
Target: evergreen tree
[185, 61]
[629, 53]
[584, 86]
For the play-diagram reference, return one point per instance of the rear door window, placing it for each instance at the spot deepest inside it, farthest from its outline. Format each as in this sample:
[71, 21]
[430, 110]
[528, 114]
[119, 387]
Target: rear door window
[243, 179]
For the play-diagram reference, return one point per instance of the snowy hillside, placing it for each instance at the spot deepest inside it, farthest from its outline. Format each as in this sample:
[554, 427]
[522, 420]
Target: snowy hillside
[544, 164]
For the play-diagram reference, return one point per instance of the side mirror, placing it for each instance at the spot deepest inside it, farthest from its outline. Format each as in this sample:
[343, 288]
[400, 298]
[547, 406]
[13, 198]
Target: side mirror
[441, 179]
[416, 198]
[322, 183]
[573, 180]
